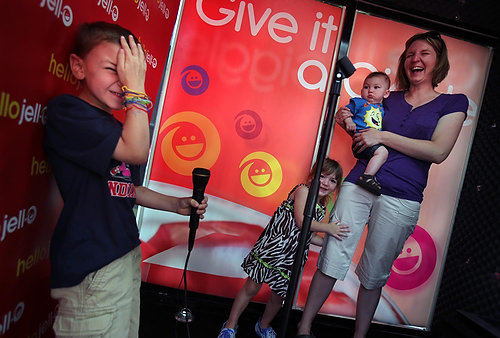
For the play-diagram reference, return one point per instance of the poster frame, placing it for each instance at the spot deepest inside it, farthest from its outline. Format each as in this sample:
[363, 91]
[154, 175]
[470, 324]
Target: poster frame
[444, 28]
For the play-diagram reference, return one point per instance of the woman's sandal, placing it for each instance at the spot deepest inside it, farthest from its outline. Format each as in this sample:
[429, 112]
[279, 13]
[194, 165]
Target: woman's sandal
[369, 183]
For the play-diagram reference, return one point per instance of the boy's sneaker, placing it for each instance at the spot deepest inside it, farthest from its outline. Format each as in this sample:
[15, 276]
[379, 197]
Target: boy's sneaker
[264, 333]
[226, 332]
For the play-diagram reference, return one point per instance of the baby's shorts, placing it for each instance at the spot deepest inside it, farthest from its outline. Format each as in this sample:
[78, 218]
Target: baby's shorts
[367, 153]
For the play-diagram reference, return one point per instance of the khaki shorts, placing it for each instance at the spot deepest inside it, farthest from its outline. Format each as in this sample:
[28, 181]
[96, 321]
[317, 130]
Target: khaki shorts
[105, 304]
[390, 221]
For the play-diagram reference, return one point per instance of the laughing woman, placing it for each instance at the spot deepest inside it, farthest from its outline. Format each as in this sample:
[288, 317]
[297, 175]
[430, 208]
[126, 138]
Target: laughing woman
[421, 126]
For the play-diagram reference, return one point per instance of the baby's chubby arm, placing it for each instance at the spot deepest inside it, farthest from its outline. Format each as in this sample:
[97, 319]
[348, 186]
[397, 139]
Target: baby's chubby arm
[343, 114]
[350, 126]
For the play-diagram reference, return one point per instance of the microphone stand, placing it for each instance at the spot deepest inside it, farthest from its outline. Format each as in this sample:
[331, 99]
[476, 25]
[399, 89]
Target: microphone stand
[343, 69]
[200, 180]
[185, 315]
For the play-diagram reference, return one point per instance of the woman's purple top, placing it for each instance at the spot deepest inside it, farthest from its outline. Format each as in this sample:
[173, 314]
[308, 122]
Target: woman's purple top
[403, 176]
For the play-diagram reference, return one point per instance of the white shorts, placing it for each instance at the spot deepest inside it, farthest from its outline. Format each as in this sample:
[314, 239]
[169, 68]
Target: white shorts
[390, 221]
[105, 304]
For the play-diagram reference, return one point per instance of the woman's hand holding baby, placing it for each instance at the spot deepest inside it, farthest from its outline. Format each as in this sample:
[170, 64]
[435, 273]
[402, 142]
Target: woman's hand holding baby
[366, 138]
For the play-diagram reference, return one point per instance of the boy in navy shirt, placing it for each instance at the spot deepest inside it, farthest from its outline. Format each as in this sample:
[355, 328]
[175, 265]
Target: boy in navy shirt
[94, 252]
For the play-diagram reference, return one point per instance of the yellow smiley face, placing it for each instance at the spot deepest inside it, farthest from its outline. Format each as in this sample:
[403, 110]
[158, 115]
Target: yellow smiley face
[261, 174]
[373, 118]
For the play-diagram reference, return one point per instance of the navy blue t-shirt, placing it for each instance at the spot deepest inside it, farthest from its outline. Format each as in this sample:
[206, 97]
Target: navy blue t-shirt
[97, 223]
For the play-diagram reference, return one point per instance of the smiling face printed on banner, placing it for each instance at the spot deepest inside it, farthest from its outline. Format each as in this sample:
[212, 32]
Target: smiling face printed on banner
[194, 80]
[188, 141]
[248, 124]
[191, 141]
[416, 263]
[261, 174]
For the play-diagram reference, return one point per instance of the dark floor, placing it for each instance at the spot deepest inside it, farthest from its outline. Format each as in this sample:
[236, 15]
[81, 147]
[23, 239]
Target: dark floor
[159, 306]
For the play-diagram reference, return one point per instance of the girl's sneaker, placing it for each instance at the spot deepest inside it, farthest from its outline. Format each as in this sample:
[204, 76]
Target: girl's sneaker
[226, 332]
[264, 333]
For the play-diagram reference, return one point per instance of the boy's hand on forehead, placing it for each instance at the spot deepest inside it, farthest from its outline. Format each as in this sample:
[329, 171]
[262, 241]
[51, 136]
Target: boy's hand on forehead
[131, 64]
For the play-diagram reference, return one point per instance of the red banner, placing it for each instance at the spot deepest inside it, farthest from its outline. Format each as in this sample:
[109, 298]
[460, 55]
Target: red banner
[37, 37]
[247, 104]
[245, 99]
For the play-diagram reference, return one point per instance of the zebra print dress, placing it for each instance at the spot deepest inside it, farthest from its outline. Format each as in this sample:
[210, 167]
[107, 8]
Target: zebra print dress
[270, 260]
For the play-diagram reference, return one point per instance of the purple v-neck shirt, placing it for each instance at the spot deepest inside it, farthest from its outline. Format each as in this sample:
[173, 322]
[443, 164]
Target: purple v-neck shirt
[403, 176]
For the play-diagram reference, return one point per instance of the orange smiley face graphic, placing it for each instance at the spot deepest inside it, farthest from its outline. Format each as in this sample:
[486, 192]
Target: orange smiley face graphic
[191, 141]
[261, 175]
[188, 141]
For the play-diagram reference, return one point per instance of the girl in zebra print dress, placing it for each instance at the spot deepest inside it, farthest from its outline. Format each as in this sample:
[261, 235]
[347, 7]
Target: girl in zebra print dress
[270, 260]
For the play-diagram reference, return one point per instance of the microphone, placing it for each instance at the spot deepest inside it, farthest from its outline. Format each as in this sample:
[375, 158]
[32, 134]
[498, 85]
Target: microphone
[200, 180]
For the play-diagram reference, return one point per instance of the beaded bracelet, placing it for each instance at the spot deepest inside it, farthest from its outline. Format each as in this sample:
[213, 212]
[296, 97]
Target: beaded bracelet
[138, 99]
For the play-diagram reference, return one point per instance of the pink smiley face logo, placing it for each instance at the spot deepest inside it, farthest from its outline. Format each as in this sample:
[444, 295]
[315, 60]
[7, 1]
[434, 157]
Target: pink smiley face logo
[416, 263]
[248, 124]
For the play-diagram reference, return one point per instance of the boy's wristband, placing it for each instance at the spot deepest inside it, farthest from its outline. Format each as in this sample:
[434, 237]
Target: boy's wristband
[137, 99]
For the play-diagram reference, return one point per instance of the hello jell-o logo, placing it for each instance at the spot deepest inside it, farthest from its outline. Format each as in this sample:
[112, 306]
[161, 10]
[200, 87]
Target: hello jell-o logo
[11, 317]
[110, 8]
[281, 27]
[261, 174]
[23, 112]
[60, 10]
[142, 7]
[191, 141]
[163, 8]
[17, 221]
